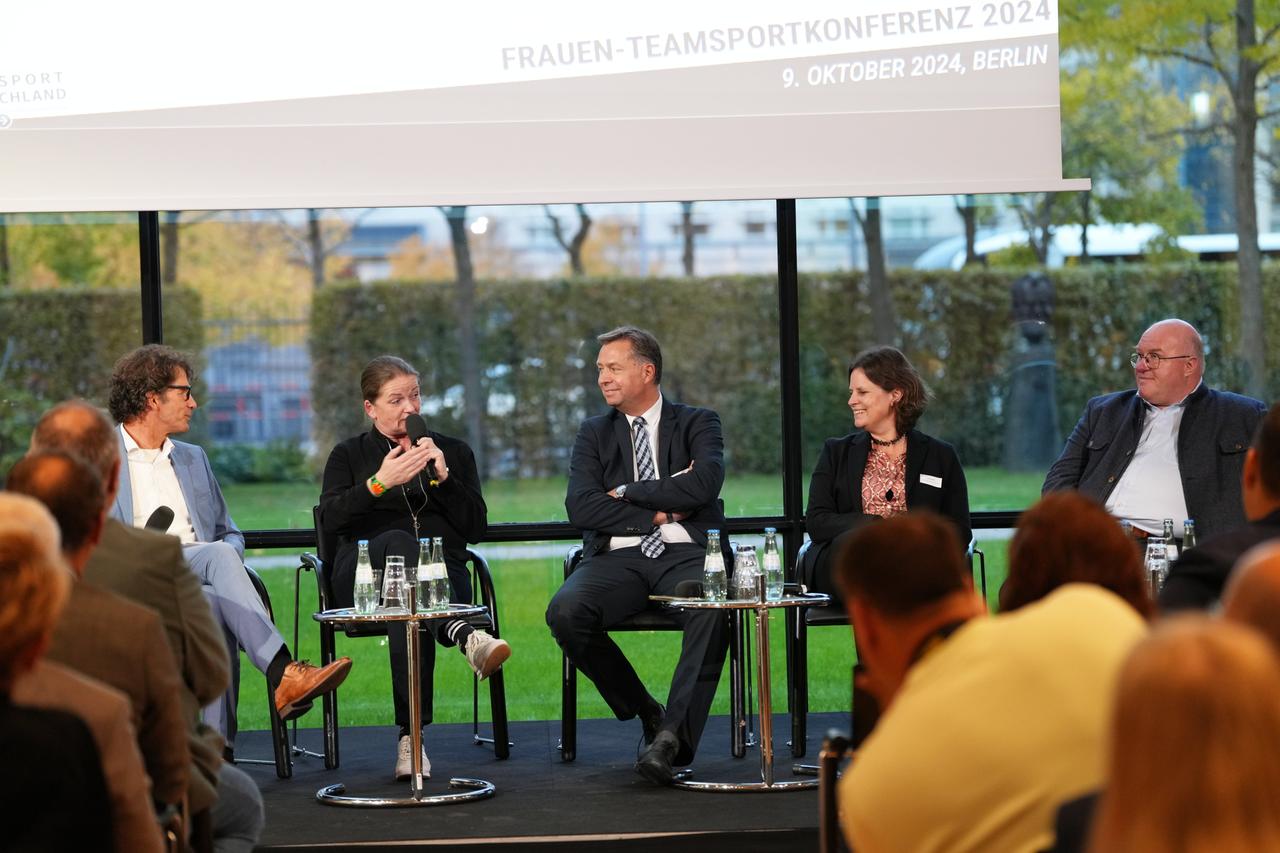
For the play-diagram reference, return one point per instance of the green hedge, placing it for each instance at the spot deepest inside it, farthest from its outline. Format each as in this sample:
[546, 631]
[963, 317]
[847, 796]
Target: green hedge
[720, 345]
[61, 343]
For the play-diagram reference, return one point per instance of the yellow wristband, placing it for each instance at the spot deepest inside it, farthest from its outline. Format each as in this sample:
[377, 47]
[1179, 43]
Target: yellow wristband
[376, 488]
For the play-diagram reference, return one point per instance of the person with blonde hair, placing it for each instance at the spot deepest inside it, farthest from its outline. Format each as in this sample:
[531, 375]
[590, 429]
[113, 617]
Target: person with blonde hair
[1195, 744]
[52, 773]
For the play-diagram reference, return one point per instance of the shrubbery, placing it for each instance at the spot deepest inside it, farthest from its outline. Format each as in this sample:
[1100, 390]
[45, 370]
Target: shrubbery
[62, 343]
[720, 346]
[277, 462]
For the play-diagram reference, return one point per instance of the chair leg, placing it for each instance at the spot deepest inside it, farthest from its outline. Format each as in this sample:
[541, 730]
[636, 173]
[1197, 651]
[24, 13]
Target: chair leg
[800, 698]
[498, 711]
[568, 710]
[797, 728]
[279, 739]
[329, 701]
[737, 686]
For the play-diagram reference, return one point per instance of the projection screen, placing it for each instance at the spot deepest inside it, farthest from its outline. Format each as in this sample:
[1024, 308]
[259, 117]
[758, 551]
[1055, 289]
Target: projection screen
[166, 106]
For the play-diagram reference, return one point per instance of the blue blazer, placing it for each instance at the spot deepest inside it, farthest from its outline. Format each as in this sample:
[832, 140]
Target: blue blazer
[205, 504]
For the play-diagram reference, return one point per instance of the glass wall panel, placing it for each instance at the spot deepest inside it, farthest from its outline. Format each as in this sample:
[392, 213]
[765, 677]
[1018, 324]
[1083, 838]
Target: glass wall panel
[498, 308]
[69, 307]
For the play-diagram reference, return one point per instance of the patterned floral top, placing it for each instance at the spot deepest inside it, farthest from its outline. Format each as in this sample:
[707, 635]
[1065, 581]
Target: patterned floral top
[884, 477]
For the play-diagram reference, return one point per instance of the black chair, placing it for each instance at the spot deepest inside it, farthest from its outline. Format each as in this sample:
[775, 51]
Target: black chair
[834, 748]
[655, 618]
[482, 593]
[282, 759]
[798, 622]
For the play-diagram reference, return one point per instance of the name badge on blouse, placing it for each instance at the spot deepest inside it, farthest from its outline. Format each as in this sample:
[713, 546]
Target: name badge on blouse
[930, 480]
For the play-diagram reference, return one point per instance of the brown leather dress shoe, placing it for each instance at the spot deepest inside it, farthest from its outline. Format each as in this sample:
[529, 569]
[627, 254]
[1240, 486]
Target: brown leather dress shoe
[303, 682]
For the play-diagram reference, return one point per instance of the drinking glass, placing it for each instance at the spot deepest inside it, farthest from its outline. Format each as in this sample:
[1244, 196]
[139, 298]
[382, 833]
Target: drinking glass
[394, 594]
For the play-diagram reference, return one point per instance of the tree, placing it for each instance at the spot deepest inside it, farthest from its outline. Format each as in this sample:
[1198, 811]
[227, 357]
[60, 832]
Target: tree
[468, 348]
[1124, 134]
[4, 250]
[317, 241]
[1240, 44]
[686, 231]
[884, 319]
[967, 207]
[1128, 139]
[572, 245]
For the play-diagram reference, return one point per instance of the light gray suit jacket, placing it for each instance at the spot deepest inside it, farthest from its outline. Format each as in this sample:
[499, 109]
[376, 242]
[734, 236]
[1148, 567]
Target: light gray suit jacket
[205, 504]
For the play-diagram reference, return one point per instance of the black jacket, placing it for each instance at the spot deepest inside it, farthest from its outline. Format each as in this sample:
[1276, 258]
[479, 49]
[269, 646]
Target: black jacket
[1216, 429]
[835, 490]
[455, 509]
[602, 460]
[1197, 578]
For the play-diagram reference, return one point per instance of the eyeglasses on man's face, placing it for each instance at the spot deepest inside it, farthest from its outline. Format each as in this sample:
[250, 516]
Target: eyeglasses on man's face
[185, 390]
[1152, 359]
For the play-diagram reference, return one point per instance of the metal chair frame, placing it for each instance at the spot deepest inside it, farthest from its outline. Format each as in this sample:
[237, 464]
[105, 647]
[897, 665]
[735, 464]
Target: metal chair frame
[482, 593]
[655, 618]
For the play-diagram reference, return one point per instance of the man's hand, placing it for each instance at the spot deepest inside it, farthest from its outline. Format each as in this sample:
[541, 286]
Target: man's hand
[686, 470]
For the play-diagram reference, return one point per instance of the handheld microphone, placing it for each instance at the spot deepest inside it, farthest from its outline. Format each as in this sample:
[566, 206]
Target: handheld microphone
[417, 428]
[160, 519]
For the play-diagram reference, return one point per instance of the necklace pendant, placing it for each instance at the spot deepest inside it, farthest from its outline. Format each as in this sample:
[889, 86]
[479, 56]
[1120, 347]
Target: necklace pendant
[415, 528]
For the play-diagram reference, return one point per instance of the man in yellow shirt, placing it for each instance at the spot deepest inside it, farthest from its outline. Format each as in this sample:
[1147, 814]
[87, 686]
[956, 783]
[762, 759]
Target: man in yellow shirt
[988, 723]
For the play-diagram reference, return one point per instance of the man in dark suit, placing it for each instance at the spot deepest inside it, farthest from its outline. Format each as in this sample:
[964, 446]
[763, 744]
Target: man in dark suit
[1197, 578]
[644, 487]
[1171, 448]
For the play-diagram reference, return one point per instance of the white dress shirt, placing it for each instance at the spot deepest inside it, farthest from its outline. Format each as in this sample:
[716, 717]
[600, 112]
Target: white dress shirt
[673, 532]
[154, 483]
[1150, 490]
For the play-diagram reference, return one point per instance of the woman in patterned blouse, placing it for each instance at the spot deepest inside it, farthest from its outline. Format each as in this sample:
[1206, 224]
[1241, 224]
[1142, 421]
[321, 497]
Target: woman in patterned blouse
[885, 468]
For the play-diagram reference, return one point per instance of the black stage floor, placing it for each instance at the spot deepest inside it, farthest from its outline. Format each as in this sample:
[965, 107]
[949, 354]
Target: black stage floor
[595, 803]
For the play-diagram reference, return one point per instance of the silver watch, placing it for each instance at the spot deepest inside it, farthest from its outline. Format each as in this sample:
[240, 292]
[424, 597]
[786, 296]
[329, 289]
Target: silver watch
[621, 492]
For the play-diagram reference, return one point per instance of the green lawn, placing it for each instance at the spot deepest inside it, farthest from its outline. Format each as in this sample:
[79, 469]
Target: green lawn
[258, 506]
[525, 586]
[533, 674]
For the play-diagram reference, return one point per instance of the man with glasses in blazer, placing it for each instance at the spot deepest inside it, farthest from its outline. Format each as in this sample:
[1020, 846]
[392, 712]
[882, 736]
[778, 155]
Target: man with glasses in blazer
[1170, 448]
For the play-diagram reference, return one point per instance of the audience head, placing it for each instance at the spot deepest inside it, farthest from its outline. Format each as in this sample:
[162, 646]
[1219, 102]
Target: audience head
[33, 584]
[1195, 743]
[903, 564]
[1179, 368]
[81, 429]
[71, 490]
[885, 389]
[1068, 538]
[1252, 594]
[1261, 481]
[153, 381]
[629, 369]
[902, 579]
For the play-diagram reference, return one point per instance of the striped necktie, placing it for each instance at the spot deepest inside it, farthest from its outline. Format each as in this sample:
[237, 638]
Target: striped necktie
[651, 545]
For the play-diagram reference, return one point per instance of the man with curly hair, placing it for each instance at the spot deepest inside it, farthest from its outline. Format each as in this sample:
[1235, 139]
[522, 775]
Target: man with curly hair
[151, 400]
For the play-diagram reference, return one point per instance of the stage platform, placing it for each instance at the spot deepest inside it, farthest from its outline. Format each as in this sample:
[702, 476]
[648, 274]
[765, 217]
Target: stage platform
[596, 803]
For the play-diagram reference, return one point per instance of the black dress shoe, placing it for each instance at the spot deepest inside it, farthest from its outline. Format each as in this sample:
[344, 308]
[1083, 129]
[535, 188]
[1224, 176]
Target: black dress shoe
[651, 718]
[655, 764]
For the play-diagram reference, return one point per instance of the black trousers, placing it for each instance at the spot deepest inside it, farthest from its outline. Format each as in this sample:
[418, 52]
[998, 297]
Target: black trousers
[401, 543]
[613, 585]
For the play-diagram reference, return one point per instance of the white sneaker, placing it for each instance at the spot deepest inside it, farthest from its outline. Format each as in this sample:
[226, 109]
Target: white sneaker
[485, 653]
[404, 760]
